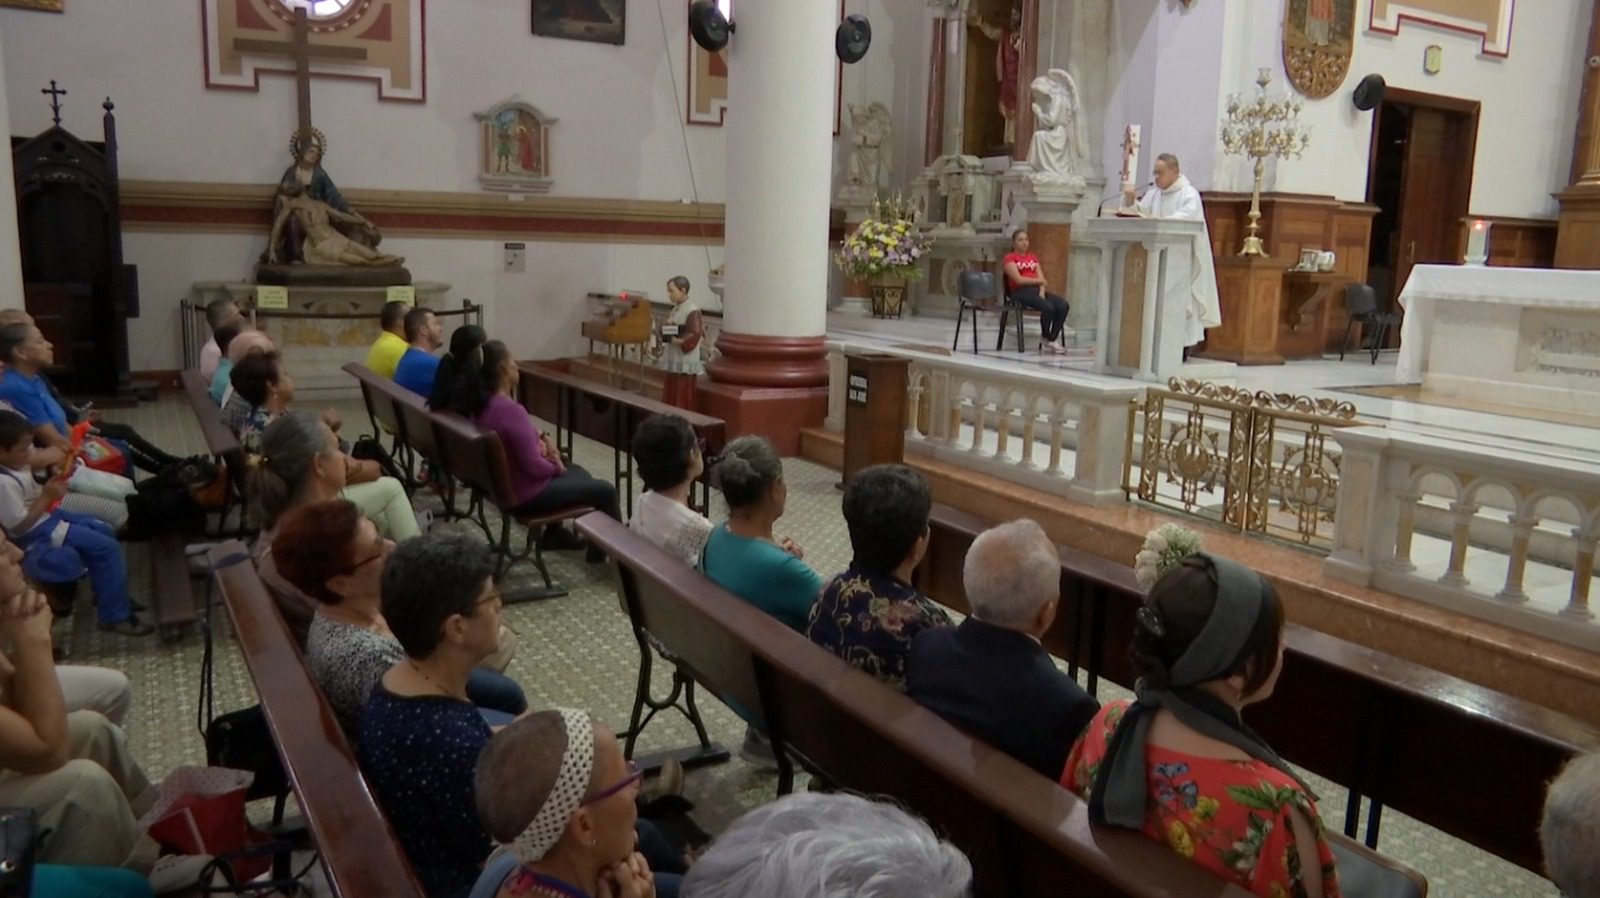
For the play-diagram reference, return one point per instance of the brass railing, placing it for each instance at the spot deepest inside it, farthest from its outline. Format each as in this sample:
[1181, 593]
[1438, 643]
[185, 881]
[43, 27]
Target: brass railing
[1259, 462]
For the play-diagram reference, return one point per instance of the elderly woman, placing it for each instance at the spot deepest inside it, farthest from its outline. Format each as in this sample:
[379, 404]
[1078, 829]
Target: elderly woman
[554, 790]
[666, 453]
[742, 555]
[829, 846]
[1179, 764]
[335, 556]
[300, 463]
[245, 343]
[869, 614]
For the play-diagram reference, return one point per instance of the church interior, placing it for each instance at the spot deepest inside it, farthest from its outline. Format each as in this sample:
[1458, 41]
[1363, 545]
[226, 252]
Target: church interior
[1194, 401]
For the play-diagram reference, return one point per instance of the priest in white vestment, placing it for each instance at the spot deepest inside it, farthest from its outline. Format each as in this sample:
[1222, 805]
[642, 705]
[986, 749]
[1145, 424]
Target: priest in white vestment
[1174, 197]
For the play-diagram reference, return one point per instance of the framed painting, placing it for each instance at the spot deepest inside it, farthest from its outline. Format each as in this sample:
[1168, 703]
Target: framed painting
[600, 21]
[1318, 38]
[41, 5]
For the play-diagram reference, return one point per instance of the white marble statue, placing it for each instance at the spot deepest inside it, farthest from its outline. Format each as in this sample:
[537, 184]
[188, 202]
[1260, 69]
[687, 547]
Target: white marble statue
[871, 141]
[1057, 152]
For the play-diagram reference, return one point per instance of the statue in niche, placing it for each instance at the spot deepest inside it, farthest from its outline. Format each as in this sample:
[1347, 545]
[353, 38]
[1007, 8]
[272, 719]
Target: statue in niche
[307, 173]
[871, 142]
[1057, 152]
[322, 242]
[1007, 63]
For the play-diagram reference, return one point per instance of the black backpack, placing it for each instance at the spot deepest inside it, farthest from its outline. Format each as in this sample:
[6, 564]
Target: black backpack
[163, 504]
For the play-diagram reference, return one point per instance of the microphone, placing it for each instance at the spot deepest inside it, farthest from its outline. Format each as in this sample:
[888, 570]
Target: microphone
[1100, 210]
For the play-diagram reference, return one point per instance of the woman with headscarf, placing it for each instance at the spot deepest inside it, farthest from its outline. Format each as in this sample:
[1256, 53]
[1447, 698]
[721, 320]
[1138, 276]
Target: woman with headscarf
[1178, 762]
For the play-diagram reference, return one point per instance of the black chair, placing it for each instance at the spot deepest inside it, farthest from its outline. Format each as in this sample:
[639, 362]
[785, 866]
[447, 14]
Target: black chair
[1362, 303]
[975, 290]
[1007, 307]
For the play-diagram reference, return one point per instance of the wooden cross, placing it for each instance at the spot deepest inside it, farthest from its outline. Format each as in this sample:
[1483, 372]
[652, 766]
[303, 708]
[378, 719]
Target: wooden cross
[56, 94]
[300, 50]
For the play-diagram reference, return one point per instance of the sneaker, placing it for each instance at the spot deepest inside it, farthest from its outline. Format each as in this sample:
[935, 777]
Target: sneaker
[177, 872]
[130, 626]
[757, 750]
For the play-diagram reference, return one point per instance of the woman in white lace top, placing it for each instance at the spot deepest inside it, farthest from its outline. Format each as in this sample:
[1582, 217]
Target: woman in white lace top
[666, 453]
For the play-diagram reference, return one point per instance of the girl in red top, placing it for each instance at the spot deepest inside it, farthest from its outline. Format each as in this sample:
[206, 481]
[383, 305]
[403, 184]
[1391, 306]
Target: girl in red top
[1025, 286]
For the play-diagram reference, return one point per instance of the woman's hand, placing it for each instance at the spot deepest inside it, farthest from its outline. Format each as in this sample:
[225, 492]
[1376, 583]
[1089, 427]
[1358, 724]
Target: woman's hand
[630, 879]
[331, 418]
[792, 547]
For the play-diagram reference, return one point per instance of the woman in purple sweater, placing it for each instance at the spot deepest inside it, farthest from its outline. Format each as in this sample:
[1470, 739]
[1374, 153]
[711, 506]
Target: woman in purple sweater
[540, 478]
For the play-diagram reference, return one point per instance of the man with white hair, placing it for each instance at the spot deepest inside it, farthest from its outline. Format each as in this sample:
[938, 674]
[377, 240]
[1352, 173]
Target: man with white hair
[1570, 831]
[991, 676]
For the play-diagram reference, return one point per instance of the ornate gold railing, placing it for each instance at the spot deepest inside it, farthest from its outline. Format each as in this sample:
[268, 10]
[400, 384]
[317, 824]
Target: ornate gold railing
[1260, 462]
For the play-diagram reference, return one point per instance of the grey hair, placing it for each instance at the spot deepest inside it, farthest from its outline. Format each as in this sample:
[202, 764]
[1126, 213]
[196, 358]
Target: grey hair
[289, 446]
[746, 470]
[1010, 573]
[1171, 161]
[814, 845]
[1570, 830]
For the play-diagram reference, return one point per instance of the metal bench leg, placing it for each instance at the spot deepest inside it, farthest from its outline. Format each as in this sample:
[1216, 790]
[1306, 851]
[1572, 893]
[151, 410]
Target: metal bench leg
[529, 549]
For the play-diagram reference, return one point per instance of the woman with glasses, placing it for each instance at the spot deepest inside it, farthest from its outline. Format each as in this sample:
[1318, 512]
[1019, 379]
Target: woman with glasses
[335, 556]
[554, 791]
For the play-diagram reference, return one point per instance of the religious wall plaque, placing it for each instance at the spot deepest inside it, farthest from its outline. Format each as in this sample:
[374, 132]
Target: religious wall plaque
[1318, 37]
[514, 154]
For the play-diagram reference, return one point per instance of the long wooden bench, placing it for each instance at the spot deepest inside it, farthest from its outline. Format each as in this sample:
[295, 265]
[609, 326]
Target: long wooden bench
[1024, 835]
[1389, 730]
[383, 400]
[222, 443]
[608, 415]
[356, 845]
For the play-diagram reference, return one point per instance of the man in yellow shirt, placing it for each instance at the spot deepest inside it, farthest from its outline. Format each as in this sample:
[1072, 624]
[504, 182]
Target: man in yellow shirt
[384, 356]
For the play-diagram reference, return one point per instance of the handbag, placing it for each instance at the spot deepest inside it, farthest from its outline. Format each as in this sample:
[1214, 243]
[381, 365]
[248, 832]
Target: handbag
[200, 810]
[19, 846]
[101, 454]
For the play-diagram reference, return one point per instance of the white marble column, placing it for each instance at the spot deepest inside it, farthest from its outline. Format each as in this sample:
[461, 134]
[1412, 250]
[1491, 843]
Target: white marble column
[10, 255]
[779, 176]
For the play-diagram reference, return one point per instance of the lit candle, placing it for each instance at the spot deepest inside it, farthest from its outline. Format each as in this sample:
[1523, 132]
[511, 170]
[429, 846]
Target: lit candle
[1478, 242]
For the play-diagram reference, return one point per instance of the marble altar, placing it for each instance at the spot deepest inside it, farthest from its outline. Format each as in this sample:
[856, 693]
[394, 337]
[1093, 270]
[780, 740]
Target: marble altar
[1516, 336]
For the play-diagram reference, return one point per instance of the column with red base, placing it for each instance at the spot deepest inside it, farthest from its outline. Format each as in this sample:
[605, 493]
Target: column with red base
[771, 376]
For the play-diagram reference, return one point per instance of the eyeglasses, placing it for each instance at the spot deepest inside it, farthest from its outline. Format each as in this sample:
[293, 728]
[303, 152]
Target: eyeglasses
[633, 778]
[495, 597]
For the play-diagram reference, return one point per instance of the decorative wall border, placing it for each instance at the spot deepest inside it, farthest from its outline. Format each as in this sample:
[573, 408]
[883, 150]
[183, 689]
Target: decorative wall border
[1401, 13]
[247, 208]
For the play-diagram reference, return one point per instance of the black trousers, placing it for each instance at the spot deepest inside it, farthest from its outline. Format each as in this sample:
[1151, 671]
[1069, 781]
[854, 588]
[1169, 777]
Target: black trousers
[1052, 309]
[145, 455]
[574, 486]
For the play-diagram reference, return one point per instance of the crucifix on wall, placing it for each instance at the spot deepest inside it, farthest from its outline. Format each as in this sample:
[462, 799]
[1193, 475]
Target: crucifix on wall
[373, 40]
[300, 50]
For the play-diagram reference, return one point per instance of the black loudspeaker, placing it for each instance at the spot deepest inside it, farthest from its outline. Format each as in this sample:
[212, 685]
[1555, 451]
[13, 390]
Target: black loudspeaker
[1369, 93]
[853, 38]
[709, 27]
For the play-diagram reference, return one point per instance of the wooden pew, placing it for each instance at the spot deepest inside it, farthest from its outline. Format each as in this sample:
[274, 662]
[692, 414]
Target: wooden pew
[222, 443]
[382, 398]
[1397, 733]
[1024, 834]
[608, 415]
[355, 844]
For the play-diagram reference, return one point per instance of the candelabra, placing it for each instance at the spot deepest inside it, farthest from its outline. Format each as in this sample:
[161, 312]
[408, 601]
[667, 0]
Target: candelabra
[1267, 125]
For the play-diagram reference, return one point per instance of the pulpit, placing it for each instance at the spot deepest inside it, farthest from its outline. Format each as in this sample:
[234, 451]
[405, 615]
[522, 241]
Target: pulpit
[874, 411]
[1144, 294]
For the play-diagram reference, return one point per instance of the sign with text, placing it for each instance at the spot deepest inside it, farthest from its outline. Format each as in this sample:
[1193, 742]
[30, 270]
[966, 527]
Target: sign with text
[404, 293]
[268, 297]
[856, 390]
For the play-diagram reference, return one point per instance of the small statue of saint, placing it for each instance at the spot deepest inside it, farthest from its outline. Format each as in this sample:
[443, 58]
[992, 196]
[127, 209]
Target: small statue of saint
[1007, 63]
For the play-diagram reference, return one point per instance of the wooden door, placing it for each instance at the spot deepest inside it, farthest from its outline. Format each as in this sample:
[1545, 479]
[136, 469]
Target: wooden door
[1436, 186]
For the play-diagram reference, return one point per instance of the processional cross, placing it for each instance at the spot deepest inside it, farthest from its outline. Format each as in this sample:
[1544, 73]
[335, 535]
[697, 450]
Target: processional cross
[56, 94]
[300, 50]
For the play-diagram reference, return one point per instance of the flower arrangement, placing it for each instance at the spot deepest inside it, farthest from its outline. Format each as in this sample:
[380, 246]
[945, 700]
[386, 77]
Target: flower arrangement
[886, 244]
[1163, 547]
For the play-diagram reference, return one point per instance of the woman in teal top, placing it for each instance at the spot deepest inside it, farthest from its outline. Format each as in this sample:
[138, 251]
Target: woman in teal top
[742, 555]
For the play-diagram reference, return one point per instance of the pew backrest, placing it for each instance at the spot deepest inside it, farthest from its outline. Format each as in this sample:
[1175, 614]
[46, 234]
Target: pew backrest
[355, 843]
[382, 399]
[1024, 834]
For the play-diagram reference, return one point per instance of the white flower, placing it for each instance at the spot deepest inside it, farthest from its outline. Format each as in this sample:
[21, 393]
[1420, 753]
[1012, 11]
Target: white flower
[1155, 542]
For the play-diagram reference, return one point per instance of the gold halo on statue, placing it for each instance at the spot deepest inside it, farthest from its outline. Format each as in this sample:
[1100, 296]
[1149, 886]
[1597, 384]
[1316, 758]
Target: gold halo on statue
[314, 135]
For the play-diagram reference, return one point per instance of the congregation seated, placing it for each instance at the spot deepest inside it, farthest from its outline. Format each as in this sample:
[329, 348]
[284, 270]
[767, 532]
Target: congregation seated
[71, 766]
[222, 379]
[741, 554]
[418, 366]
[218, 313]
[300, 463]
[420, 733]
[869, 614]
[830, 846]
[990, 676]
[667, 455]
[61, 546]
[384, 355]
[1569, 832]
[235, 408]
[1179, 764]
[329, 552]
[463, 355]
[541, 479]
[556, 794]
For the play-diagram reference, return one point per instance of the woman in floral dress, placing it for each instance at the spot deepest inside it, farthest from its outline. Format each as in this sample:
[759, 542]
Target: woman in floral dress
[1179, 764]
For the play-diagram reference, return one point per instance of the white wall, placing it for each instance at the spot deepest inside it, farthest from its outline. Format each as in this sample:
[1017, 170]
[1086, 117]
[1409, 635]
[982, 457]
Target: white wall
[1528, 117]
[619, 135]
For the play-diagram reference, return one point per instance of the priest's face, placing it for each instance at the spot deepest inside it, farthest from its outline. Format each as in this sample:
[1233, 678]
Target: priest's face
[1165, 174]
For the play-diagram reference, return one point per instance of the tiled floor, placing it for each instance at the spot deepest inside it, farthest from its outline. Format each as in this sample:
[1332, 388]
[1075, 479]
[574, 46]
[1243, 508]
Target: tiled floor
[578, 651]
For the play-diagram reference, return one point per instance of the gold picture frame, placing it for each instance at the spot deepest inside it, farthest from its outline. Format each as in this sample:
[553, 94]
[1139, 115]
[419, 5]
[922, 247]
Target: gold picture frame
[41, 5]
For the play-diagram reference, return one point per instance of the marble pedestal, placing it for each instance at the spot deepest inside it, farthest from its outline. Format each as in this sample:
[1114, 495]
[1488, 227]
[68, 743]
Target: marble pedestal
[315, 350]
